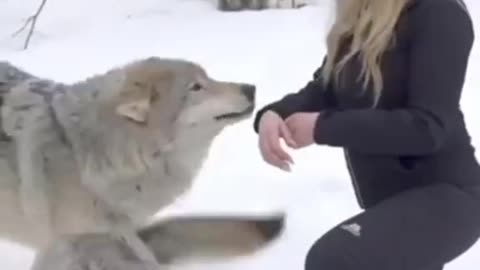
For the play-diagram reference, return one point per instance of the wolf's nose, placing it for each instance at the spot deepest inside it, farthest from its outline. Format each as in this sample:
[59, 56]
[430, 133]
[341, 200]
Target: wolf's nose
[249, 91]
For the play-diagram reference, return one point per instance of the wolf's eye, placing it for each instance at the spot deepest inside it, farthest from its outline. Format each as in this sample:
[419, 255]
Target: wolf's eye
[196, 87]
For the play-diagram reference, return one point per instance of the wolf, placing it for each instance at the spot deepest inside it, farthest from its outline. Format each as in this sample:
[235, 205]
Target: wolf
[89, 164]
[236, 5]
[174, 241]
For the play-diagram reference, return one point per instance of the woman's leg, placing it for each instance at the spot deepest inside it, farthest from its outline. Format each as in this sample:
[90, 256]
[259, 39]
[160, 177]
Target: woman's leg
[416, 230]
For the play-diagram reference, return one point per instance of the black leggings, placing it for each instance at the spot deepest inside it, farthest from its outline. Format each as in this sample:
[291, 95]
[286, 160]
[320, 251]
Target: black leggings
[420, 229]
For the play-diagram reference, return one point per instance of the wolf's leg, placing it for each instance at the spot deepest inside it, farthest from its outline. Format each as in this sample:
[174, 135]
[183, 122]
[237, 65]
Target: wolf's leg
[124, 231]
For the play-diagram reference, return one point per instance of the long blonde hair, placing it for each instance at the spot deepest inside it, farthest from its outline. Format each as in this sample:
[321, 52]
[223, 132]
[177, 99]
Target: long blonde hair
[369, 25]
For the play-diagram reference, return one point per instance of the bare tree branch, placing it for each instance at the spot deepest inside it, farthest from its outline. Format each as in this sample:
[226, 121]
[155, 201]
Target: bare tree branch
[32, 21]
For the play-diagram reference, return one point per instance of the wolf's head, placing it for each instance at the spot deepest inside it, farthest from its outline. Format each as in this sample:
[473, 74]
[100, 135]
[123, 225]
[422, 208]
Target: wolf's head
[181, 94]
[150, 105]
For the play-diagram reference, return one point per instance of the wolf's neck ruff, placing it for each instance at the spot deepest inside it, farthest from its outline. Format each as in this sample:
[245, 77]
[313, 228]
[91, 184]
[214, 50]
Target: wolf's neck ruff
[107, 147]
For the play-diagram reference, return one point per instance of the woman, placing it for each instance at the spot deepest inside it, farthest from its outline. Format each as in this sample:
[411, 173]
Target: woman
[388, 93]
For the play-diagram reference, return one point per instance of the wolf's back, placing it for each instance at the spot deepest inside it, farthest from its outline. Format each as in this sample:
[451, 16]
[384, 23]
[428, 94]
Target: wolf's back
[11, 76]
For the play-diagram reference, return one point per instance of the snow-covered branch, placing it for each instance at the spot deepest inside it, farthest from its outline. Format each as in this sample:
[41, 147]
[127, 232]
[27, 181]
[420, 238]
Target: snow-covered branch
[31, 21]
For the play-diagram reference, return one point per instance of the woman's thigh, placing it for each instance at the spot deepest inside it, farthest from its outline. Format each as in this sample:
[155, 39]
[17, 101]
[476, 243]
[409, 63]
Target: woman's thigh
[420, 229]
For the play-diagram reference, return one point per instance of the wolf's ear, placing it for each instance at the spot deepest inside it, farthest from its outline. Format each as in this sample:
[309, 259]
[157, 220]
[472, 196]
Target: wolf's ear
[143, 86]
[135, 102]
[136, 110]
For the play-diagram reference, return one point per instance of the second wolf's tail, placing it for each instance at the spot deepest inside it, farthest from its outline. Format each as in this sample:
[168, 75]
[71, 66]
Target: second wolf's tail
[211, 237]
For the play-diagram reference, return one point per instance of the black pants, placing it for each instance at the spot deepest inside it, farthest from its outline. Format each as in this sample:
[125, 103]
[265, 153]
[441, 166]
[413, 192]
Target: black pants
[420, 229]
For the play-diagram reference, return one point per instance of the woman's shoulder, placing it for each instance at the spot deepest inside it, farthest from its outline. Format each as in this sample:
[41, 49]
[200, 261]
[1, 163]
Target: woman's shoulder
[455, 12]
[437, 5]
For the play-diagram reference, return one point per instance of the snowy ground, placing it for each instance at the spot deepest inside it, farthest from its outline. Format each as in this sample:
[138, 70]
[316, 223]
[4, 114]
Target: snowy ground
[276, 50]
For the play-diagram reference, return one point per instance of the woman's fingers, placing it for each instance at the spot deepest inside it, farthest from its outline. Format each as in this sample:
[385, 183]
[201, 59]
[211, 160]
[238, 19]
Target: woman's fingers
[273, 159]
[272, 129]
[287, 135]
[276, 148]
[271, 150]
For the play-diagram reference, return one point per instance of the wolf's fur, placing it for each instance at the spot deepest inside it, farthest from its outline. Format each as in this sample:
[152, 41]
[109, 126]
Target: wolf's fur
[235, 5]
[179, 239]
[103, 155]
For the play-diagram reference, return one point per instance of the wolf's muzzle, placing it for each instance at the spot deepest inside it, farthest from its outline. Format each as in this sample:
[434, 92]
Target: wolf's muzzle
[249, 91]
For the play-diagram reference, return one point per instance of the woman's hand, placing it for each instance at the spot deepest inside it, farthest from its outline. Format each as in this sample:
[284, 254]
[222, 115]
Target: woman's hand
[271, 129]
[301, 127]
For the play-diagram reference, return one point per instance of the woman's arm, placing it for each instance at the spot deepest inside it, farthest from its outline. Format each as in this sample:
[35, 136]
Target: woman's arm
[438, 61]
[312, 97]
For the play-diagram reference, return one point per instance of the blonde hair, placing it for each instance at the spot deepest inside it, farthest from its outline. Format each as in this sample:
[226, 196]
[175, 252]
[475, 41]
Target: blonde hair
[369, 25]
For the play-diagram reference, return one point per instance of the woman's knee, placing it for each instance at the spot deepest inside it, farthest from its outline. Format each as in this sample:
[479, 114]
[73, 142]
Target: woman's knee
[327, 254]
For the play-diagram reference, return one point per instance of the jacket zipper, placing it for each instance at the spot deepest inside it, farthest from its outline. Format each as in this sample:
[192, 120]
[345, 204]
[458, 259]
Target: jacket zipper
[356, 188]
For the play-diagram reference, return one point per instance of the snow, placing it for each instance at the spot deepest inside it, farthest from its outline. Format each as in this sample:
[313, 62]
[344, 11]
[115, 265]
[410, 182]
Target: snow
[277, 50]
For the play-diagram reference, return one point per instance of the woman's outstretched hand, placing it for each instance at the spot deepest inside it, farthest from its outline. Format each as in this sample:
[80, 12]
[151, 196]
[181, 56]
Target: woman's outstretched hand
[272, 128]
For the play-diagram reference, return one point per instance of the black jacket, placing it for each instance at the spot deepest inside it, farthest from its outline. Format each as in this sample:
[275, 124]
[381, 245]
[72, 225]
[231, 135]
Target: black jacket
[416, 135]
